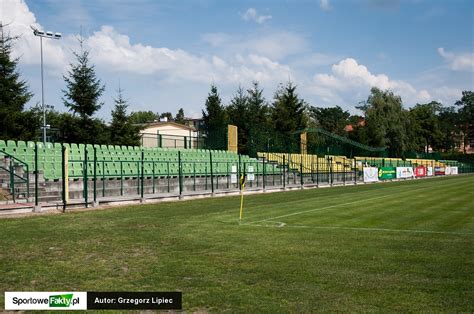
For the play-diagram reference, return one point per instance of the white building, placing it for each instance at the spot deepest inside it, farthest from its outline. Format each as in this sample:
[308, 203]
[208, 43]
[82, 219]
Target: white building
[169, 134]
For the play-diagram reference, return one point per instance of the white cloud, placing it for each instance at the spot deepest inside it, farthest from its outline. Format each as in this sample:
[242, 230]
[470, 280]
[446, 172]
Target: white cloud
[234, 59]
[17, 19]
[275, 45]
[252, 15]
[113, 50]
[349, 77]
[458, 62]
[325, 5]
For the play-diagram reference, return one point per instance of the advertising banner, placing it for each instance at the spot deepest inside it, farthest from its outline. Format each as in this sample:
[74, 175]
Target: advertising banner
[447, 170]
[371, 174]
[404, 172]
[250, 174]
[420, 171]
[387, 173]
[74, 300]
[18, 301]
[429, 171]
[439, 171]
[454, 170]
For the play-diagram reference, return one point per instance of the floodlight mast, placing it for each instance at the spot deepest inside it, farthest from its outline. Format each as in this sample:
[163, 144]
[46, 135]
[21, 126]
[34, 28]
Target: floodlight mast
[41, 34]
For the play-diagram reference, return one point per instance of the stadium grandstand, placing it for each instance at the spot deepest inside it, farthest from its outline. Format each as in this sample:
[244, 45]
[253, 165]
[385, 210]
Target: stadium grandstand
[67, 174]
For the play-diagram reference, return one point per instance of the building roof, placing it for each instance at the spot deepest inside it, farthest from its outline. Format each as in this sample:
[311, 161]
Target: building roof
[168, 123]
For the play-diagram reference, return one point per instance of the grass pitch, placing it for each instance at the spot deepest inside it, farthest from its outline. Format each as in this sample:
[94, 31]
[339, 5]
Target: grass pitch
[405, 246]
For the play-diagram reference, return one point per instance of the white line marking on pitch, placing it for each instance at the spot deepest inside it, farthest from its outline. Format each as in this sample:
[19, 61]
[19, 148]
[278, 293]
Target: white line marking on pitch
[316, 209]
[335, 205]
[362, 229]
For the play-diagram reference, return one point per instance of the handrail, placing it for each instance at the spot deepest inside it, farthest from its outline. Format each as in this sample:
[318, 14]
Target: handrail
[13, 174]
[15, 158]
[342, 139]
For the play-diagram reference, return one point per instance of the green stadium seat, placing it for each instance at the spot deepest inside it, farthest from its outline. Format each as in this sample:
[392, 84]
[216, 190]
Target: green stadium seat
[11, 143]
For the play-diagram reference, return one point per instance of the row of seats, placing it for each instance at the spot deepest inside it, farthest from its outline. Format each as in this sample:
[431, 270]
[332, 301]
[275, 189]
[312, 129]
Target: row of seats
[309, 163]
[125, 161]
[312, 163]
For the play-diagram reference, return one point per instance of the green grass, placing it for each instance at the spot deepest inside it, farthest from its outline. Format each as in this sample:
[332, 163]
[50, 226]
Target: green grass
[405, 246]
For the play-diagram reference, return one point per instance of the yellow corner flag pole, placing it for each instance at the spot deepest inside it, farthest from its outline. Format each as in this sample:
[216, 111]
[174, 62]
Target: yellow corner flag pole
[242, 183]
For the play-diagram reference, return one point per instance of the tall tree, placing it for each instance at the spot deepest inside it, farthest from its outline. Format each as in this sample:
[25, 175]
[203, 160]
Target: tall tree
[168, 115]
[449, 122]
[466, 116]
[122, 132]
[81, 96]
[14, 93]
[425, 131]
[332, 119]
[259, 129]
[239, 116]
[143, 117]
[179, 118]
[288, 110]
[83, 88]
[215, 120]
[386, 121]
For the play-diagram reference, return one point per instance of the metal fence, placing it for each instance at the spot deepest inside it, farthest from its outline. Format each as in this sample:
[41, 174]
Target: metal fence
[89, 178]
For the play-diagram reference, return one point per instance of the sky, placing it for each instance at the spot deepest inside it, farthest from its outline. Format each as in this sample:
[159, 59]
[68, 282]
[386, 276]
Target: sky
[166, 54]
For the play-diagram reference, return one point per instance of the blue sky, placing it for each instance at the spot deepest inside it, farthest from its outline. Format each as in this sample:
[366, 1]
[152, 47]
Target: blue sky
[165, 54]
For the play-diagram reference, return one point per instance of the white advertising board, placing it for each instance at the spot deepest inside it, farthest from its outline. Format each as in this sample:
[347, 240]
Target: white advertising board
[429, 171]
[405, 172]
[371, 174]
[250, 174]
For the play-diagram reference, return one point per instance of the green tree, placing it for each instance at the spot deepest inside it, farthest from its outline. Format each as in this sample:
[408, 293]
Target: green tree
[167, 115]
[14, 94]
[143, 117]
[70, 128]
[332, 119]
[288, 111]
[179, 118]
[215, 120]
[259, 130]
[81, 96]
[83, 88]
[425, 131]
[386, 121]
[466, 116]
[238, 114]
[122, 132]
[449, 121]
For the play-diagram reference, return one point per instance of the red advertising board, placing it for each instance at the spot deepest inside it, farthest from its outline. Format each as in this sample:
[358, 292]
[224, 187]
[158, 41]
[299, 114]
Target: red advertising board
[440, 171]
[420, 171]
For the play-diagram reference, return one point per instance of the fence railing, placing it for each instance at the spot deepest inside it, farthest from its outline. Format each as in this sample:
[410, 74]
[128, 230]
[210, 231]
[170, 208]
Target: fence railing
[10, 166]
[89, 178]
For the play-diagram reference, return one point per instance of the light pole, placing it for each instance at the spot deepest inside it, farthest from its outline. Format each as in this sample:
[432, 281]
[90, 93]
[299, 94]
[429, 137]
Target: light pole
[41, 35]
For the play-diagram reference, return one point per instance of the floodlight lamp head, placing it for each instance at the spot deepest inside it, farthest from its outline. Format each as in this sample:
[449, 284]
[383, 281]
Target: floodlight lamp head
[49, 34]
[36, 31]
[57, 35]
